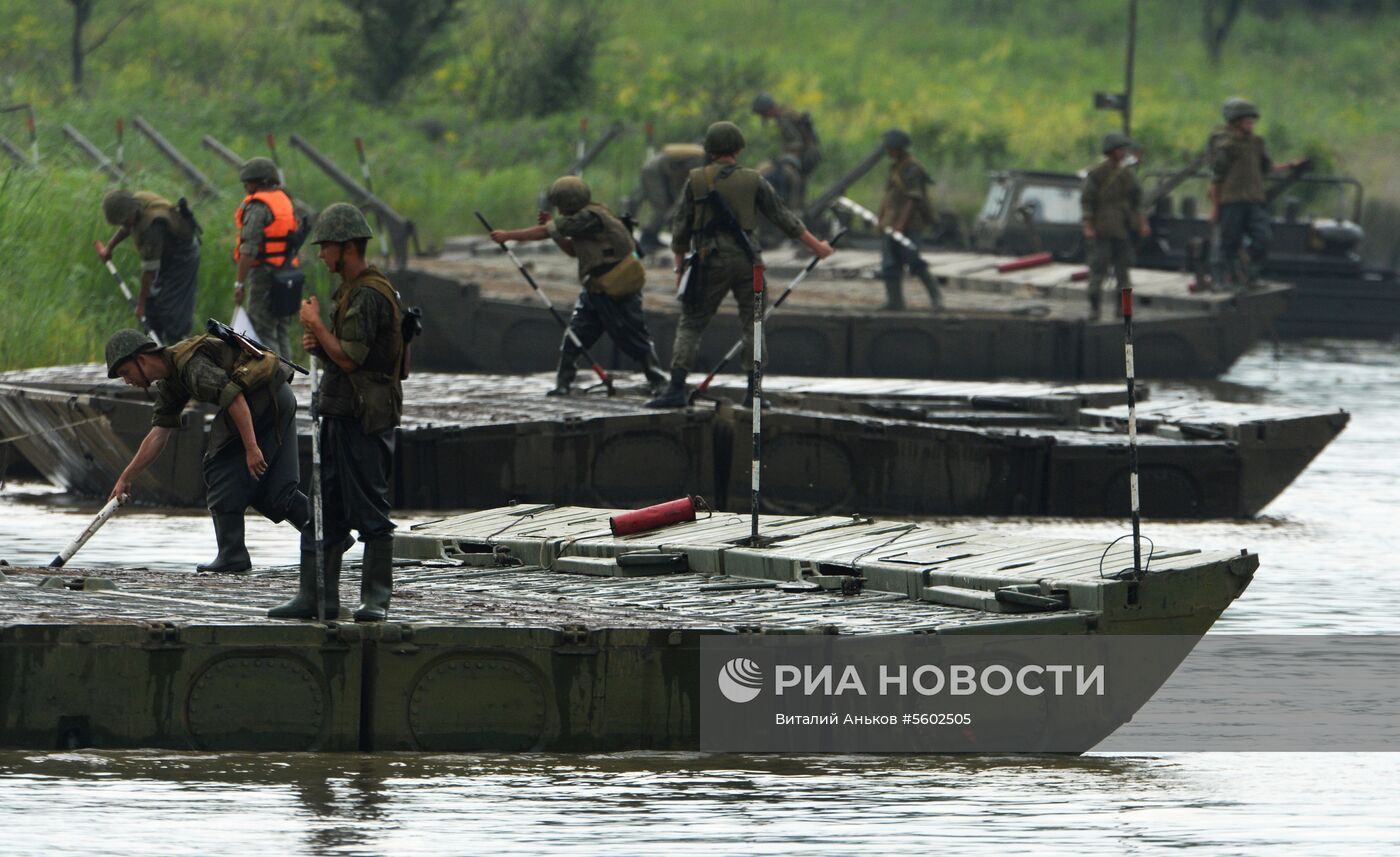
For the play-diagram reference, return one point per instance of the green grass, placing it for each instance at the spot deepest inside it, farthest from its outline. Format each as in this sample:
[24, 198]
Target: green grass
[979, 85]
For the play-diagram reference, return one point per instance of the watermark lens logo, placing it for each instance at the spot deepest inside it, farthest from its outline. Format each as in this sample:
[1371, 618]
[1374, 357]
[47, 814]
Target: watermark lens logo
[740, 680]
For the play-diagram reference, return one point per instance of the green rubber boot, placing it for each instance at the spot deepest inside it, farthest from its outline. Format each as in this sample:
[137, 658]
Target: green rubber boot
[376, 581]
[233, 553]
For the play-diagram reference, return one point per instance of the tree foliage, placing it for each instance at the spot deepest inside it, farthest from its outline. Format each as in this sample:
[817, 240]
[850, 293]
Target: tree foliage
[389, 43]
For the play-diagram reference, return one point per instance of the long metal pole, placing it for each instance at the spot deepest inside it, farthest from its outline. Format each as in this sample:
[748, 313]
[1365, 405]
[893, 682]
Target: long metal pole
[756, 388]
[121, 143]
[317, 518]
[739, 344]
[1132, 428]
[369, 186]
[272, 150]
[126, 292]
[33, 136]
[549, 305]
[1128, 81]
[201, 181]
[102, 517]
[581, 147]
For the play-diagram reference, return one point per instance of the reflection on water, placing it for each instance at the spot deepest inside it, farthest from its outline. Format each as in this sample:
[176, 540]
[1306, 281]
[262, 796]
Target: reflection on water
[1327, 566]
[644, 803]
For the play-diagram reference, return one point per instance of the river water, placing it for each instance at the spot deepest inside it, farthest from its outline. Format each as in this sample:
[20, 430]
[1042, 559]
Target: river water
[1327, 566]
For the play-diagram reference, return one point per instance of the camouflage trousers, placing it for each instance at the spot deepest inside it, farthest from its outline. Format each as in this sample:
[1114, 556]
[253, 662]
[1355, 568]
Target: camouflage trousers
[272, 330]
[230, 489]
[356, 468]
[1103, 254]
[724, 274]
[1238, 221]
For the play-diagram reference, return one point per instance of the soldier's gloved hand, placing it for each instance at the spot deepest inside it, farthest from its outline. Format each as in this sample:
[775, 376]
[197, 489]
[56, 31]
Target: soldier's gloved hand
[257, 465]
[121, 489]
[237, 293]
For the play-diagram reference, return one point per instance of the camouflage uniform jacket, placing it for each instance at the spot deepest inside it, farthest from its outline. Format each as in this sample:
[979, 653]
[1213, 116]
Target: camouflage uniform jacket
[205, 377]
[256, 218]
[721, 240]
[1111, 199]
[1239, 164]
[907, 182]
[158, 227]
[600, 239]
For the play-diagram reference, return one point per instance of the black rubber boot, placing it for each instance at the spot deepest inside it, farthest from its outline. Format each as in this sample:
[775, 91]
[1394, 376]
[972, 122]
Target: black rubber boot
[935, 293]
[376, 581]
[675, 395]
[655, 372]
[564, 377]
[233, 553]
[894, 292]
[303, 606]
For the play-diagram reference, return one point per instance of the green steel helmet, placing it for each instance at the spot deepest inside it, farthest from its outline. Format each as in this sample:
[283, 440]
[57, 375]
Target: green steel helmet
[897, 139]
[258, 170]
[339, 222]
[763, 102]
[124, 345]
[1115, 140]
[723, 138]
[1238, 108]
[118, 206]
[569, 194]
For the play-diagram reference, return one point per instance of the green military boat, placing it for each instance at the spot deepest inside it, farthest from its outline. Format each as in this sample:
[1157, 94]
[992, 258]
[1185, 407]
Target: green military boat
[532, 627]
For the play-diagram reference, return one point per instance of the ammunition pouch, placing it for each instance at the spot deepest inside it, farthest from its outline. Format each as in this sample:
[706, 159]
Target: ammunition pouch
[378, 400]
[622, 280]
[254, 373]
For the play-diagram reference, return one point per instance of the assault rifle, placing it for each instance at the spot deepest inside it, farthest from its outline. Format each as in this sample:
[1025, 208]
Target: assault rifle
[249, 345]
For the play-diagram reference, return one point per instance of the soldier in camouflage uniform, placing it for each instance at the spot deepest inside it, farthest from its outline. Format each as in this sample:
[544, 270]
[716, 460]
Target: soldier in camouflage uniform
[801, 153]
[607, 260]
[1111, 205]
[266, 243]
[724, 253]
[167, 240]
[251, 457]
[361, 403]
[1239, 163]
[905, 208]
[663, 176]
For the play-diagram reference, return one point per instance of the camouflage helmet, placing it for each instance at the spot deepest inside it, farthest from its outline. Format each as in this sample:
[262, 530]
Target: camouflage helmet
[1115, 140]
[763, 102]
[124, 345]
[1238, 108]
[723, 138]
[897, 139]
[118, 206]
[569, 194]
[339, 222]
[258, 170]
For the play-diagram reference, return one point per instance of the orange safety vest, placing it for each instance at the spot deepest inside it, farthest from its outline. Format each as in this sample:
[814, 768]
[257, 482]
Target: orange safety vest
[284, 223]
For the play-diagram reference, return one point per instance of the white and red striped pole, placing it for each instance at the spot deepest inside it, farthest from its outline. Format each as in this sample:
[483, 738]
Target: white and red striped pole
[1132, 429]
[757, 401]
